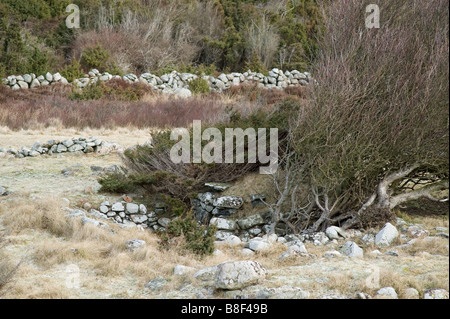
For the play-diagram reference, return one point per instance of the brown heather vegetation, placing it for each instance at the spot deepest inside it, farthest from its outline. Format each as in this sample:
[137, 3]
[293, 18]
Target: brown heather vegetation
[370, 136]
[120, 104]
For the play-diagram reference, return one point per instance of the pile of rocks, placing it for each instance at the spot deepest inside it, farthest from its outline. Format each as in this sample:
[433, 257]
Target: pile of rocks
[252, 233]
[275, 79]
[132, 214]
[171, 83]
[71, 145]
[220, 211]
[248, 276]
[26, 81]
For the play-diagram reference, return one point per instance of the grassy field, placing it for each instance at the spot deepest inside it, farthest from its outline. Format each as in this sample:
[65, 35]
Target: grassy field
[39, 238]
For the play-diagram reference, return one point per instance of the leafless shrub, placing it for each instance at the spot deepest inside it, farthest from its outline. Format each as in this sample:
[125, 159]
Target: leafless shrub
[150, 38]
[263, 39]
[41, 107]
[379, 112]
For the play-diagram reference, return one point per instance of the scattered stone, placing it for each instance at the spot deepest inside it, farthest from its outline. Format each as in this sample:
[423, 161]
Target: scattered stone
[233, 241]
[368, 239]
[156, 284]
[3, 191]
[134, 244]
[334, 232]
[392, 253]
[285, 292]
[238, 274]
[181, 270]
[258, 244]
[206, 274]
[436, 294]
[319, 238]
[331, 254]
[164, 221]
[411, 293]
[296, 249]
[247, 252]
[351, 249]
[387, 293]
[417, 232]
[386, 235]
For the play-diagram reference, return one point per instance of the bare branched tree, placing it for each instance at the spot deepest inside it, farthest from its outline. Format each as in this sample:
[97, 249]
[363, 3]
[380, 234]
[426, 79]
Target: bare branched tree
[378, 117]
[263, 39]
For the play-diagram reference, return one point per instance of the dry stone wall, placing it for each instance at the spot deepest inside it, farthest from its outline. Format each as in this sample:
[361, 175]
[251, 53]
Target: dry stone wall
[70, 145]
[172, 83]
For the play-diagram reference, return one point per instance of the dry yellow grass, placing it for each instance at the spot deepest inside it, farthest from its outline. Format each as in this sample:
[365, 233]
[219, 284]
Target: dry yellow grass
[49, 241]
[39, 234]
[124, 136]
[429, 222]
[428, 245]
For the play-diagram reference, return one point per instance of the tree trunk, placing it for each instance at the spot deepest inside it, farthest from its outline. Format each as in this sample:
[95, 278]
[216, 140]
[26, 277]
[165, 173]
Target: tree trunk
[419, 193]
[382, 198]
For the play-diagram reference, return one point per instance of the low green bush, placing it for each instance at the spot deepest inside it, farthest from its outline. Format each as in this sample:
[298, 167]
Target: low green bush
[115, 183]
[72, 71]
[95, 57]
[91, 92]
[111, 90]
[256, 65]
[199, 238]
[199, 86]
